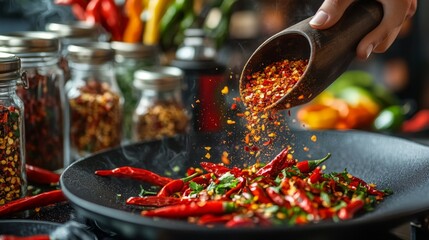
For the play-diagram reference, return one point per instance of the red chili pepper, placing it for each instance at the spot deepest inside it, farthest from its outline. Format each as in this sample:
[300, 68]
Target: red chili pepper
[25, 203]
[351, 208]
[301, 199]
[34, 237]
[41, 175]
[192, 209]
[219, 169]
[139, 174]
[156, 201]
[210, 219]
[355, 181]
[203, 179]
[112, 18]
[236, 189]
[316, 175]
[175, 186]
[239, 221]
[275, 196]
[92, 12]
[258, 192]
[309, 165]
[275, 166]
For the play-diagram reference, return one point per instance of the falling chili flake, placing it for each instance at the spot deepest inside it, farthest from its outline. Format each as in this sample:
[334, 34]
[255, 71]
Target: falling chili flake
[230, 122]
[225, 90]
[313, 138]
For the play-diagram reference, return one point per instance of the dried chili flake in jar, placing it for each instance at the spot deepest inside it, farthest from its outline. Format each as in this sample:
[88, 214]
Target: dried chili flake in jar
[13, 183]
[160, 112]
[95, 101]
[46, 122]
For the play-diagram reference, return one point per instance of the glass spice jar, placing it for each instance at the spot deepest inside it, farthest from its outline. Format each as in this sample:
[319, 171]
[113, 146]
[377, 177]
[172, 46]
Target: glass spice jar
[13, 182]
[95, 100]
[129, 57]
[75, 33]
[160, 112]
[46, 115]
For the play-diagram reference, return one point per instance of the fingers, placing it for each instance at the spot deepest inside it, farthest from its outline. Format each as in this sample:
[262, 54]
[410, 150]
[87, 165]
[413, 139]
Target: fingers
[329, 13]
[382, 37]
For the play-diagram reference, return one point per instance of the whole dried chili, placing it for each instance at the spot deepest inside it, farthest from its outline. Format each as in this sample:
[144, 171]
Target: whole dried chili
[351, 208]
[310, 165]
[29, 202]
[219, 169]
[259, 193]
[40, 175]
[11, 159]
[156, 201]
[175, 186]
[274, 167]
[33, 237]
[191, 209]
[44, 119]
[139, 174]
[236, 189]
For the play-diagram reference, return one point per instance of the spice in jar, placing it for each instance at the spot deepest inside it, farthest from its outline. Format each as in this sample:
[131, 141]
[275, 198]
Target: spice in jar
[95, 115]
[95, 101]
[160, 112]
[11, 158]
[46, 121]
[13, 183]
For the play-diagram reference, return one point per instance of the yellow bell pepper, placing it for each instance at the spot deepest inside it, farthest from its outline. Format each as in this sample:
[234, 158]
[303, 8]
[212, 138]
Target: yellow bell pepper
[155, 11]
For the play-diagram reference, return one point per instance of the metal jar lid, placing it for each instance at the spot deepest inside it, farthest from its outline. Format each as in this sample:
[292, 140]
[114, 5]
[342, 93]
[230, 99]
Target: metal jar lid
[74, 29]
[158, 78]
[10, 67]
[91, 53]
[134, 50]
[21, 43]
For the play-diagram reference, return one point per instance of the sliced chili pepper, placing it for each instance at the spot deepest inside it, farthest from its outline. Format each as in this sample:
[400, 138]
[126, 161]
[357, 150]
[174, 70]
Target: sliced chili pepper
[25, 203]
[175, 186]
[219, 169]
[41, 175]
[309, 165]
[274, 167]
[139, 174]
[371, 190]
[351, 208]
[301, 199]
[192, 209]
[258, 192]
[156, 201]
[211, 219]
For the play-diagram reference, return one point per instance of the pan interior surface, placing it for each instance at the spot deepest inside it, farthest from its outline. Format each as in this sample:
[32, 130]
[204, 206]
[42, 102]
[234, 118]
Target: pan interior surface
[389, 162]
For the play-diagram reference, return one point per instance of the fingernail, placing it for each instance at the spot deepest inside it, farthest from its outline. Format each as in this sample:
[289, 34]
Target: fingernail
[369, 50]
[319, 19]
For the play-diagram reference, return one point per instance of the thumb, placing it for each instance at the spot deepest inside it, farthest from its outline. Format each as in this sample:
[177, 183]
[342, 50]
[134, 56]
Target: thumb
[329, 13]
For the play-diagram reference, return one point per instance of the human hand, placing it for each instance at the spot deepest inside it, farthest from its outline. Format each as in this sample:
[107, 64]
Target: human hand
[396, 12]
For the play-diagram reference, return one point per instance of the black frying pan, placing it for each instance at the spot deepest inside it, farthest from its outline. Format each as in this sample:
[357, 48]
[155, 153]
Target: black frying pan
[391, 162]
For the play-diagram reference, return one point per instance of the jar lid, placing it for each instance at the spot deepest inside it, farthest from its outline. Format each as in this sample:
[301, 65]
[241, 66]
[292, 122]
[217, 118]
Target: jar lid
[158, 77]
[74, 29]
[90, 53]
[134, 50]
[10, 66]
[29, 42]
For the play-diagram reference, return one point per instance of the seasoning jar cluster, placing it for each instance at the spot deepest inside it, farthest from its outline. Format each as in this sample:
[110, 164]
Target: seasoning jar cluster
[160, 112]
[13, 183]
[94, 98]
[130, 57]
[46, 114]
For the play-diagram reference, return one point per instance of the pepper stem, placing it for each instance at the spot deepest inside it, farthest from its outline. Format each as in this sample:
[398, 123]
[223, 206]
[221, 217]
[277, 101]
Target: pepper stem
[314, 163]
[190, 177]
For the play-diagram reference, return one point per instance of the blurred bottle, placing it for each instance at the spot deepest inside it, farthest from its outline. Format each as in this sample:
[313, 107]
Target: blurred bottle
[204, 79]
